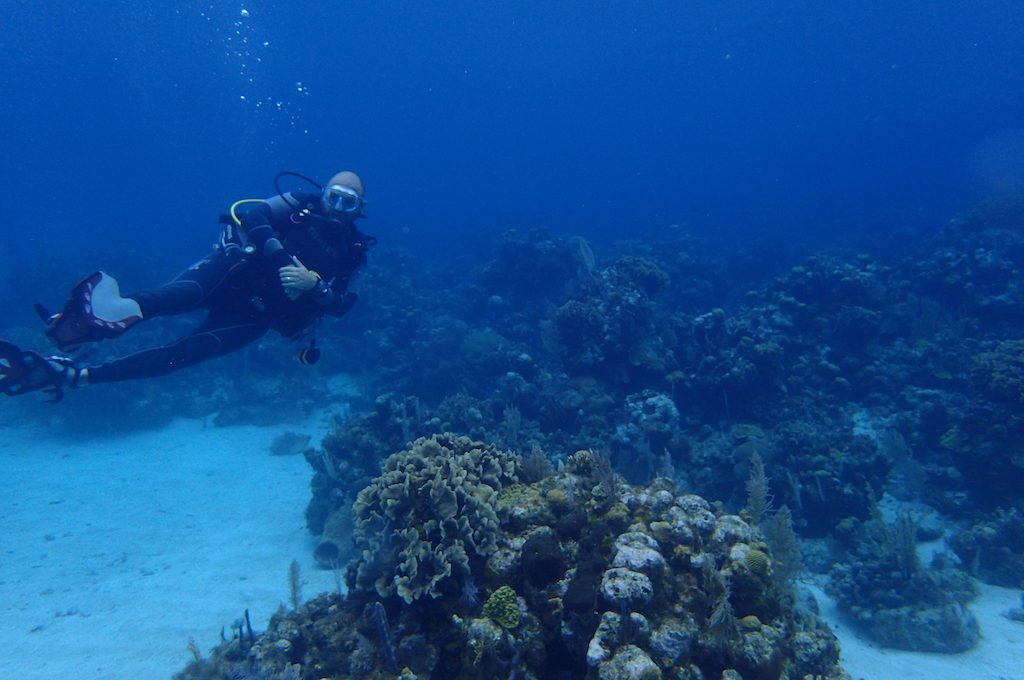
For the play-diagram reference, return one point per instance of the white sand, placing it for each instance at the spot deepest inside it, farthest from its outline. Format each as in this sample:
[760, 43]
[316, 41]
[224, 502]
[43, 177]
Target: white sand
[116, 551]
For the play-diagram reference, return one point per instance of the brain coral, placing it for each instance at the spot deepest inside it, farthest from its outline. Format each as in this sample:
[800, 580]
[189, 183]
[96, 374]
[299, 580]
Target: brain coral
[428, 514]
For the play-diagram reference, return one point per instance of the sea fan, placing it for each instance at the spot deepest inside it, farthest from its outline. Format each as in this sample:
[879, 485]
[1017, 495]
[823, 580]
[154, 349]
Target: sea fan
[470, 595]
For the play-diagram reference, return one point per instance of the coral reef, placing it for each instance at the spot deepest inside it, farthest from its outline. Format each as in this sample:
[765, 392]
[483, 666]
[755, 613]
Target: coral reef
[894, 368]
[993, 549]
[588, 577]
[847, 376]
[610, 329]
[1000, 372]
[896, 600]
[347, 459]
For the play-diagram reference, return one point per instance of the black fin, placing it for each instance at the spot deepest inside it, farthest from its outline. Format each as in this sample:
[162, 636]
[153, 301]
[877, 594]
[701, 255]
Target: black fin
[23, 371]
[43, 313]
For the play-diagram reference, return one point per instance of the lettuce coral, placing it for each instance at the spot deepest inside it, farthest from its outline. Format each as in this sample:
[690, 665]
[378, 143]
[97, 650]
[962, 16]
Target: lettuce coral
[428, 515]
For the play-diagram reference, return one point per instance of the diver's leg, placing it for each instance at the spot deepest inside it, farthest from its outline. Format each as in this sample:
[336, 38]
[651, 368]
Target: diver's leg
[96, 309]
[188, 351]
[218, 335]
[188, 291]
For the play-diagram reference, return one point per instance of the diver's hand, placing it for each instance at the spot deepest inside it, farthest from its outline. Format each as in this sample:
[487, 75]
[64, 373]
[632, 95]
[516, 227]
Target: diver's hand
[296, 279]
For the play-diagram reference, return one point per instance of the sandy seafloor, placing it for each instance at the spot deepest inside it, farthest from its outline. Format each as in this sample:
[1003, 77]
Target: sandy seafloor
[115, 551]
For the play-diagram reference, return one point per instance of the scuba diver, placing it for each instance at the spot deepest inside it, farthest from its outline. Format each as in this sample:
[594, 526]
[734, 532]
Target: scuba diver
[281, 264]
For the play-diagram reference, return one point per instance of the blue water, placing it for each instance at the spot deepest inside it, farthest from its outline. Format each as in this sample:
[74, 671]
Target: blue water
[134, 124]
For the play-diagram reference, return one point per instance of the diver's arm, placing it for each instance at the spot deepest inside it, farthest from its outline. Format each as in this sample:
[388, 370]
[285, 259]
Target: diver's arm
[331, 296]
[255, 226]
[334, 299]
[336, 295]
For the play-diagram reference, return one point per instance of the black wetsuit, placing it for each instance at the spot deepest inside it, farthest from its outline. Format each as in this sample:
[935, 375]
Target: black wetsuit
[239, 287]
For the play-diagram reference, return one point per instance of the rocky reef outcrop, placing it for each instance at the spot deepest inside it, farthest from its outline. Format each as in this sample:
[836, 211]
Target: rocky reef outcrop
[884, 588]
[463, 570]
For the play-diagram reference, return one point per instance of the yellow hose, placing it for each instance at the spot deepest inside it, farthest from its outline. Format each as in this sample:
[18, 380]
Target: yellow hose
[238, 203]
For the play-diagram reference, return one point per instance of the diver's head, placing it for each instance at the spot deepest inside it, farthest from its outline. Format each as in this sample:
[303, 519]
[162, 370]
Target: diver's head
[344, 196]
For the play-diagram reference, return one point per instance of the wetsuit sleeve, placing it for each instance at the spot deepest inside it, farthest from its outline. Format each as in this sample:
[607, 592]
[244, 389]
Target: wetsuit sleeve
[334, 295]
[334, 300]
[258, 232]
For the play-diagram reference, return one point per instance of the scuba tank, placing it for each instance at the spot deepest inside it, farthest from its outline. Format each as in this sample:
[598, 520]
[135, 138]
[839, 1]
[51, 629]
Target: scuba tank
[232, 241]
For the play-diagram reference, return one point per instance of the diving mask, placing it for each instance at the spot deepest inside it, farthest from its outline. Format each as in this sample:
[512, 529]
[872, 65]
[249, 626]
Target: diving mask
[342, 199]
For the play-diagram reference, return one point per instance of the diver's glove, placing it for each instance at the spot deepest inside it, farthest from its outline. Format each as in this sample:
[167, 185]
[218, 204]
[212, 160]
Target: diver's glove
[95, 311]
